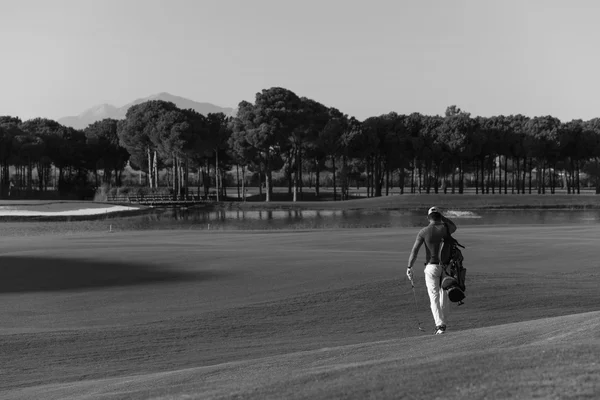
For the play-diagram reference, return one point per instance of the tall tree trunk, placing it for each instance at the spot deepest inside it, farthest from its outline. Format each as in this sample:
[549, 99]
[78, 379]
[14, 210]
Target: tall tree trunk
[491, 176]
[537, 178]
[597, 176]
[453, 178]
[387, 181]
[268, 177]
[29, 176]
[290, 171]
[179, 178]
[6, 172]
[295, 177]
[483, 175]
[41, 177]
[530, 173]
[382, 165]
[515, 174]
[476, 176]
[378, 177]
[461, 187]
[300, 184]
[436, 178]
[368, 171]
[149, 167]
[260, 191]
[200, 173]
[412, 178]
[577, 177]
[543, 177]
[374, 176]
[343, 178]
[206, 177]
[60, 179]
[237, 179]
[155, 165]
[186, 177]
[401, 179]
[43, 184]
[47, 177]
[420, 178]
[551, 169]
[175, 180]
[556, 176]
[317, 178]
[461, 176]
[244, 182]
[368, 177]
[426, 181]
[573, 185]
[217, 174]
[524, 180]
[567, 176]
[506, 175]
[334, 183]
[500, 174]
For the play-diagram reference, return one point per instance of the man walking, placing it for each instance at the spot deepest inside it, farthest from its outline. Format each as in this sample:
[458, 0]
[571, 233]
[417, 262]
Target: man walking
[433, 235]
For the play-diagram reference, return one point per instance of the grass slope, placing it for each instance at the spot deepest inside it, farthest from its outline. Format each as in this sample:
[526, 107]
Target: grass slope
[546, 358]
[106, 308]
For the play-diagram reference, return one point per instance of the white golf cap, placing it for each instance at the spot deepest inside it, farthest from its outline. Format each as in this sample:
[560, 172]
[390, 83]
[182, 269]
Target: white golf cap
[433, 210]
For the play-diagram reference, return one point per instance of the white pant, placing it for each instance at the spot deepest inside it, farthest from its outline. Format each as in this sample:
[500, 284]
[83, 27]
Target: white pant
[437, 296]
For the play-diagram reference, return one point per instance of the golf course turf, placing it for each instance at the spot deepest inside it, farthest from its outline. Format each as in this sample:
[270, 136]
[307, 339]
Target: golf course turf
[296, 314]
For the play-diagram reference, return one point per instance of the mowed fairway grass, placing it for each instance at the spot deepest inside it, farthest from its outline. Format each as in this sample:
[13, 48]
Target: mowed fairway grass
[296, 314]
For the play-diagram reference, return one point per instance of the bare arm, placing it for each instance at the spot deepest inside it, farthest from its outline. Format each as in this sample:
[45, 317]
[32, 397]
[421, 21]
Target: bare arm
[450, 224]
[415, 250]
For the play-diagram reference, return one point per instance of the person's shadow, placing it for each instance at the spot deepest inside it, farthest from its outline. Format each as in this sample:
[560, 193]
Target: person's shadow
[38, 274]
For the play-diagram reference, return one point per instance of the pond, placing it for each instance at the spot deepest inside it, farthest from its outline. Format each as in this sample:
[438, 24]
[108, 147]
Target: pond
[200, 218]
[209, 219]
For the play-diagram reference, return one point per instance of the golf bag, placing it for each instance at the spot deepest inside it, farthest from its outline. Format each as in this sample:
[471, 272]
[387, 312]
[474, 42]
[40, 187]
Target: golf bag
[454, 273]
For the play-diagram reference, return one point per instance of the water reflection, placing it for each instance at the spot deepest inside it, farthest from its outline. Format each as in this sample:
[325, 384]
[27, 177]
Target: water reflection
[283, 217]
[201, 218]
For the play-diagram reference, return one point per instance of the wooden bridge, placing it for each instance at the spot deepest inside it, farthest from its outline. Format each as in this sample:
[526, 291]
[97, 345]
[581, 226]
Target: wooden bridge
[163, 200]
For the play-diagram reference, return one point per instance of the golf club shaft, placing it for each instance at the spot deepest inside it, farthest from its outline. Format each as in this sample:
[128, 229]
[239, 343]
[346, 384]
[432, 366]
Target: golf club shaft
[416, 306]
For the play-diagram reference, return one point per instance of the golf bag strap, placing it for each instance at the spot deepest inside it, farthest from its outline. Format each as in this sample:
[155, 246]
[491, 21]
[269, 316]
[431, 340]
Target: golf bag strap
[449, 234]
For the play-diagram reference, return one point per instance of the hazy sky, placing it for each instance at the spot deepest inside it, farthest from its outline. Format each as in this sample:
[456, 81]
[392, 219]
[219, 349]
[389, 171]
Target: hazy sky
[368, 57]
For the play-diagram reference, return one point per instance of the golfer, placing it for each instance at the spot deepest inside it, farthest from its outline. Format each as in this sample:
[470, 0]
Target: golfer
[433, 235]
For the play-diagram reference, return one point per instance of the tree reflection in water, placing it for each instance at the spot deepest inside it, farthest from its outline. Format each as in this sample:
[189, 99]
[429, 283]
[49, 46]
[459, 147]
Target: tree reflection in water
[201, 218]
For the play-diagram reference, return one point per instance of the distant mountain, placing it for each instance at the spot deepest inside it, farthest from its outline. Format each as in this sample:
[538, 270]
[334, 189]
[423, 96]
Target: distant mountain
[102, 111]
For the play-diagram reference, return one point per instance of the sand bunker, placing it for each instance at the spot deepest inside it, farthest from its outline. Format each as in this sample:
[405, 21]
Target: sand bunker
[11, 211]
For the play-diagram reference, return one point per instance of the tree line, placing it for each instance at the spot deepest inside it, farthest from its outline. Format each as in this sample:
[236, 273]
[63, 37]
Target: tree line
[294, 136]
